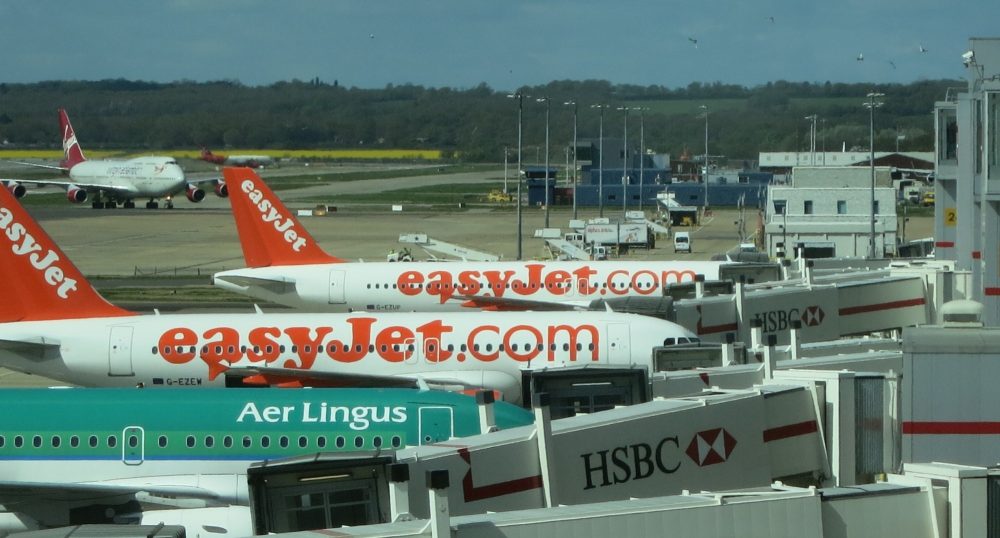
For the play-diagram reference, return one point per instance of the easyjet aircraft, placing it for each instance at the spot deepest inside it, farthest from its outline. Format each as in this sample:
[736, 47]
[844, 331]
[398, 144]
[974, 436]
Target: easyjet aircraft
[54, 323]
[286, 266]
[74, 456]
[109, 182]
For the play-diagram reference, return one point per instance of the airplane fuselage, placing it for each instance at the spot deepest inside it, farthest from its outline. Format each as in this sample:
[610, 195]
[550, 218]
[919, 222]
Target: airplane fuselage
[477, 349]
[143, 177]
[202, 442]
[391, 287]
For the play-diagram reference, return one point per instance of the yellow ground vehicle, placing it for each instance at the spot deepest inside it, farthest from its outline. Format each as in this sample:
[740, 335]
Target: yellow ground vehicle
[927, 200]
[497, 195]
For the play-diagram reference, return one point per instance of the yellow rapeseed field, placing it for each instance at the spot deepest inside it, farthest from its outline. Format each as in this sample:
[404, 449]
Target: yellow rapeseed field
[352, 154]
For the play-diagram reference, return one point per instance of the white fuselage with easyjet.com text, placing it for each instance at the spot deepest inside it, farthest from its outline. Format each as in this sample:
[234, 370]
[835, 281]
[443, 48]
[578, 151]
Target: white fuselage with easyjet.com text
[476, 349]
[385, 286]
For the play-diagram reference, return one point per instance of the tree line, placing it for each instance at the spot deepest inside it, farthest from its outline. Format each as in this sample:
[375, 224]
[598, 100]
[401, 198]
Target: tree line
[473, 124]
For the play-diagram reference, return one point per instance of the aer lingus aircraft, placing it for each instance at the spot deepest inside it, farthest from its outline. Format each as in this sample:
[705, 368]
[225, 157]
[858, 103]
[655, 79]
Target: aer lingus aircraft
[286, 266]
[54, 323]
[73, 456]
[110, 182]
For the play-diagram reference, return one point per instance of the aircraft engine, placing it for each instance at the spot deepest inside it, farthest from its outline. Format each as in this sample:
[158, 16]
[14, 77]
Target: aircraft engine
[76, 194]
[221, 190]
[195, 194]
[16, 189]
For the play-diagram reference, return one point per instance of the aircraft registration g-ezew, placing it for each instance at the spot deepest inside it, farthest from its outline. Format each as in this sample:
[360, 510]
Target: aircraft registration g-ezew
[286, 266]
[109, 182]
[54, 323]
[72, 456]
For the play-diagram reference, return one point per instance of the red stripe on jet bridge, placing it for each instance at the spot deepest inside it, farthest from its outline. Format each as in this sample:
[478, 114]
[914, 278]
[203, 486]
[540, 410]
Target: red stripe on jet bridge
[864, 309]
[992, 291]
[951, 428]
[944, 244]
[790, 430]
[976, 255]
[712, 329]
[478, 493]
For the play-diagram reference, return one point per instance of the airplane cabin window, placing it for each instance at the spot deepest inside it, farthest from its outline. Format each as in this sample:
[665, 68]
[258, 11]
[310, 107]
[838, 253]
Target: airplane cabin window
[359, 441]
[190, 441]
[133, 441]
[209, 441]
[377, 441]
[247, 441]
[3, 440]
[265, 441]
[92, 441]
[396, 441]
[295, 349]
[18, 441]
[73, 442]
[56, 441]
[283, 441]
[303, 442]
[112, 441]
[227, 441]
[321, 441]
[154, 350]
[340, 441]
[162, 441]
[36, 441]
[669, 341]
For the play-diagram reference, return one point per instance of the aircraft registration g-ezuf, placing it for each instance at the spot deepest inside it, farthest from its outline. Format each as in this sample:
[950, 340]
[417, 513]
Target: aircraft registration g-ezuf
[248, 161]
[286, 266]
[54, 323]
[110, 182]
[71, 456]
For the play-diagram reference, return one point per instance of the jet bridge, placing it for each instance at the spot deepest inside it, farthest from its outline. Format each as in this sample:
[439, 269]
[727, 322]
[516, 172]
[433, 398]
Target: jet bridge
[429, 244]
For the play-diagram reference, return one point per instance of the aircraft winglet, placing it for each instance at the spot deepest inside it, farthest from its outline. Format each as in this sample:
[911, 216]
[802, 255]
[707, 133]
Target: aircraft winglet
[269, 233]
[38, 281]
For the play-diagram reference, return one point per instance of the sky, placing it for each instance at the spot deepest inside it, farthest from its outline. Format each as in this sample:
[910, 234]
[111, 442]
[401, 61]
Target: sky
[504, 44]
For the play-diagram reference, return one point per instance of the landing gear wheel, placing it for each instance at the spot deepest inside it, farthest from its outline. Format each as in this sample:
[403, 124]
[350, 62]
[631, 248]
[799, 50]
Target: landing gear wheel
[110, 205]
[97, 205]
[170, 204]
[129, 204]
[152, 205]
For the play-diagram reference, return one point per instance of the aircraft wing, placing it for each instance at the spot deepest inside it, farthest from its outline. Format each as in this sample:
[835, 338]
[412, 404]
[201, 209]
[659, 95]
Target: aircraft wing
[13, 493]
[45, 166]
[29, 346]
[291, 377]
[276, 284]
[120, 190]
[519, 305]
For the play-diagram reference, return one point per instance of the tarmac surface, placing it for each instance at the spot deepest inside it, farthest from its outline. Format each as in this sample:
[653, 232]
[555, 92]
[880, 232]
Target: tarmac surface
[185, 245]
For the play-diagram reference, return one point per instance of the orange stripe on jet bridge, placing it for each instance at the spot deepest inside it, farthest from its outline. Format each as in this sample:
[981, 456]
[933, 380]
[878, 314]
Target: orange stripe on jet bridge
[864, 309]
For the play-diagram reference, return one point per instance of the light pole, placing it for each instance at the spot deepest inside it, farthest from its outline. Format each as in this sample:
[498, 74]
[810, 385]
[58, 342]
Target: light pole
[642, 150]
[575, 179]
[505, 169]
[625, 163]
[824, 140]
[812, 140]
[547, 107]
[704, 177]
[520, 109]
[871, 104]
[600, 162]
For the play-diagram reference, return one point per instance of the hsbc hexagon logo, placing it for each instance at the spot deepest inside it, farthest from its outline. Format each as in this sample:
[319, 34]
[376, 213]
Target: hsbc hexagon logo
[710, 447]
[813, 316]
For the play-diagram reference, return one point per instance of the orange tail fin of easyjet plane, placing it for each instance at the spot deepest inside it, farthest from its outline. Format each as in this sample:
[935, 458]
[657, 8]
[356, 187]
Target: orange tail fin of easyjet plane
[269, 233]
[39, 282]
[72, 153]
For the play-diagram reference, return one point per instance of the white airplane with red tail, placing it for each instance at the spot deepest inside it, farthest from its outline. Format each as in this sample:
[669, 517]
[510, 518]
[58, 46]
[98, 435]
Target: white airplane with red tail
[286, 266]
[54, 323]
[110, 182]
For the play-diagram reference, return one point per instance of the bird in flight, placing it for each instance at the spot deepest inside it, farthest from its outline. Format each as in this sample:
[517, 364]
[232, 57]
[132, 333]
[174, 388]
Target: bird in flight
[921, 48]
[892, 63]
[693, 41]
[771, 19]
[861, 57]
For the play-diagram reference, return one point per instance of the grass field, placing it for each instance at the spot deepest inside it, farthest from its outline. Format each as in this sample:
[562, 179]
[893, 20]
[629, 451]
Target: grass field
[331, 154]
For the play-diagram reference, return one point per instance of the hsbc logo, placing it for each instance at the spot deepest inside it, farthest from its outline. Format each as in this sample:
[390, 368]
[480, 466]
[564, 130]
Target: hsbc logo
[812, 316]
[626, 463]
[710, 447]
[781, 320]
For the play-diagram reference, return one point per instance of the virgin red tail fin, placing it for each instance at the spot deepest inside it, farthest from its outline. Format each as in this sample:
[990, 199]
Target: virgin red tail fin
[38, 281]
[269, 233]
[72, 153]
